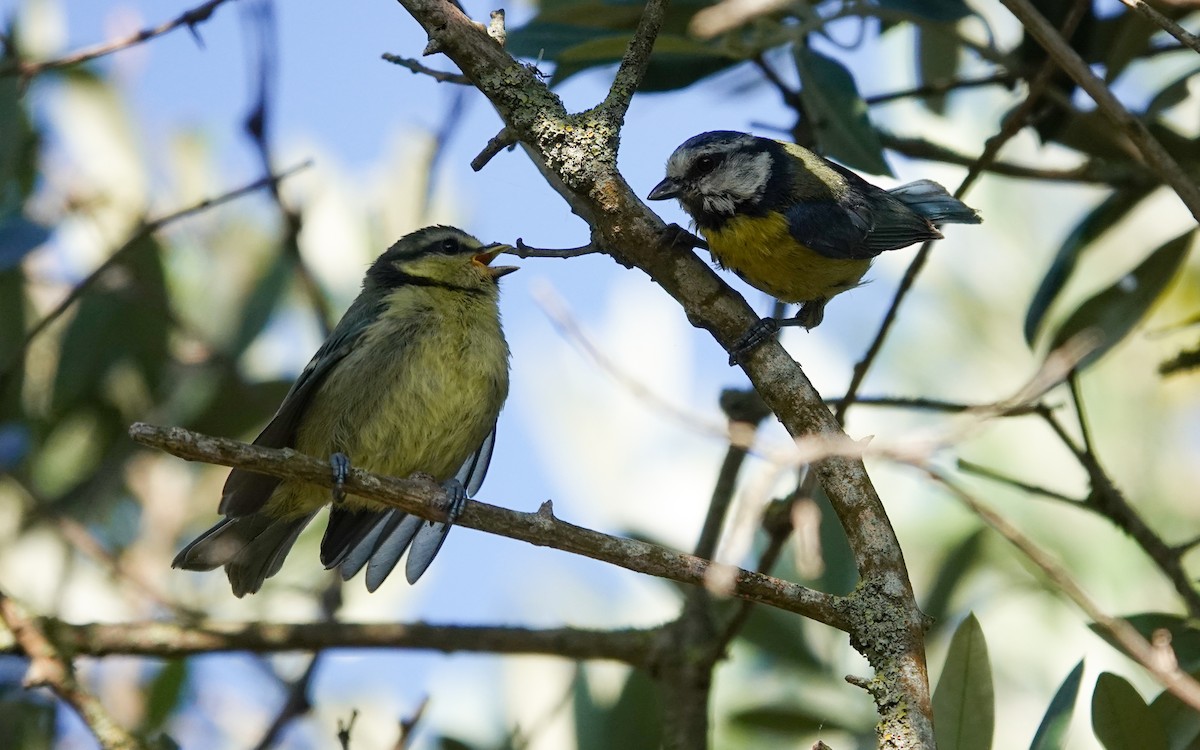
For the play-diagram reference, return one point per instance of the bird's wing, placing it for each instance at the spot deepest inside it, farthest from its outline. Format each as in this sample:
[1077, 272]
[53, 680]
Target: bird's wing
[247, 492]
[831, 229]
[378, 539]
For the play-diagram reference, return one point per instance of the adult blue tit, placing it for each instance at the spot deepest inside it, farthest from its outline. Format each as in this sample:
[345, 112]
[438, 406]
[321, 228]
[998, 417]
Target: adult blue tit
[411, 380]
[794, 224]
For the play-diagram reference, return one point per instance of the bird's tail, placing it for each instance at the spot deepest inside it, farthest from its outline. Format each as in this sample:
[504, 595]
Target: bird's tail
[251, 548]
[931, 200]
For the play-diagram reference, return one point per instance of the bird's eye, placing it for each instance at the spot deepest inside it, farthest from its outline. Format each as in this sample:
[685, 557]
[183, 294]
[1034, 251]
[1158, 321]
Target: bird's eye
[449, 246]
[706, 163]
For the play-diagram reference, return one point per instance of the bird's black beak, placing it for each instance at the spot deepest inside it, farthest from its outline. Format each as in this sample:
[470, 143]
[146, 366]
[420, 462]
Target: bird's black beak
[488, 253]
[668, 188]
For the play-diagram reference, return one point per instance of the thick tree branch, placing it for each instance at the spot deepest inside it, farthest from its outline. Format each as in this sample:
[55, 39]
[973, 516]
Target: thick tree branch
[577, 153]
[422, 498]
[49, 667]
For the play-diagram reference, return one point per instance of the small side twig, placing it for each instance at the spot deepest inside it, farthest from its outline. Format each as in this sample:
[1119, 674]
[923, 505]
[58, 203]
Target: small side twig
[1185, 37]
[521, 250]
[48, 667]
[440, 76]
[502, 140]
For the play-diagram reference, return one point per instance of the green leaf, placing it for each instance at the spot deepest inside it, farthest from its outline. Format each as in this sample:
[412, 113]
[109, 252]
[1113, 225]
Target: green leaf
[1179, 721]
[780, 635]
[937, 61]
[1170, 95]
[1121, 719]
[933, 10]
[124, 318]
[957, 565]
[963, 704]
[549, 40]
[1052, 732]
[783, 719]
[1097, 222]
[1115, 311]
[677, 61]
[838, 114]
[162, 696]
[634, 722]
[1185, 635]
[261, 302]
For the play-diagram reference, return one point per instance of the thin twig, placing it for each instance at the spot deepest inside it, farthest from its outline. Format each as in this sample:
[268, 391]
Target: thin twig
[521, 250]
[440, 76]
[980, 470]
[426, 499]
[146, 229]
[1185, 37]
[1161, 663]
[937, 88]
[48, 667]
[633, 64]
[1107, 500]
[1074, 66]
[191, 19]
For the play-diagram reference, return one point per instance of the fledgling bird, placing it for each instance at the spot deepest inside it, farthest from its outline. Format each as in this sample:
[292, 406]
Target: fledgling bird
[411, 380]
[794, 224]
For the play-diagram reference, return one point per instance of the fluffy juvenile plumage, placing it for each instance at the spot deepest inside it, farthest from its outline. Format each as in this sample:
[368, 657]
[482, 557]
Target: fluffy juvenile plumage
[793, 224]
[410, 380]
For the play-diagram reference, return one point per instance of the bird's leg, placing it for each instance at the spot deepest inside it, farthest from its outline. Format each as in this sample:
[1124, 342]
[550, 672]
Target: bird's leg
[675, 237]
[810, 315]
[455, 501]
[761, 331]
[340, 464]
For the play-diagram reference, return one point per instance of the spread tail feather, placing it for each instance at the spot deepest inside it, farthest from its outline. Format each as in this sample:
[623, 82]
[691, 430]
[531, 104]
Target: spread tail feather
[931, 200]
[252, 549]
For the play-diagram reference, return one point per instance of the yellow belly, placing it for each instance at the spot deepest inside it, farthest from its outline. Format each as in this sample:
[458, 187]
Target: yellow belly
[762, 251]
[419, 411]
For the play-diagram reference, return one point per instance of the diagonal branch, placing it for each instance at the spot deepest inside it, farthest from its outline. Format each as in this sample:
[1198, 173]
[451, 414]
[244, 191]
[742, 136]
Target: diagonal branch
[191, 19]
[1073, 65]
[576, 153]
[422, 498]
[49, 667]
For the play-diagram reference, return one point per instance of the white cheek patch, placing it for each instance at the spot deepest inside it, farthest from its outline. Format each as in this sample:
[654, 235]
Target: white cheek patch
[741, 179]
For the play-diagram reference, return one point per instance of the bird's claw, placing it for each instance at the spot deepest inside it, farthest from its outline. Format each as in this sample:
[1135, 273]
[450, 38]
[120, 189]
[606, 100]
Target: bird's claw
[675, 237]
[455, 500]
[761, 331]
[340, 464]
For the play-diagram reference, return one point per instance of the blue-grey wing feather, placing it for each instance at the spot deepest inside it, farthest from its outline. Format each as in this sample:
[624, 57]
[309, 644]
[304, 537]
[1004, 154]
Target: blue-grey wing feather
[247, 492]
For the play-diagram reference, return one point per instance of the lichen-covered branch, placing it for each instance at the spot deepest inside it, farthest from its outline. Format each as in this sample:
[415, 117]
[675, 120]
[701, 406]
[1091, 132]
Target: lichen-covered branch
[423, 498]
[577, 153]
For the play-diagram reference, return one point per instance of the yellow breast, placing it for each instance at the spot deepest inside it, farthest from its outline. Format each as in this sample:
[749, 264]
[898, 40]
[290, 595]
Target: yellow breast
[763, 252]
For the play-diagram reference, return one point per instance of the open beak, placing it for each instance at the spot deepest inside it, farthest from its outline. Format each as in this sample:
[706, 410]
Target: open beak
[668, 188]
[489, 252]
